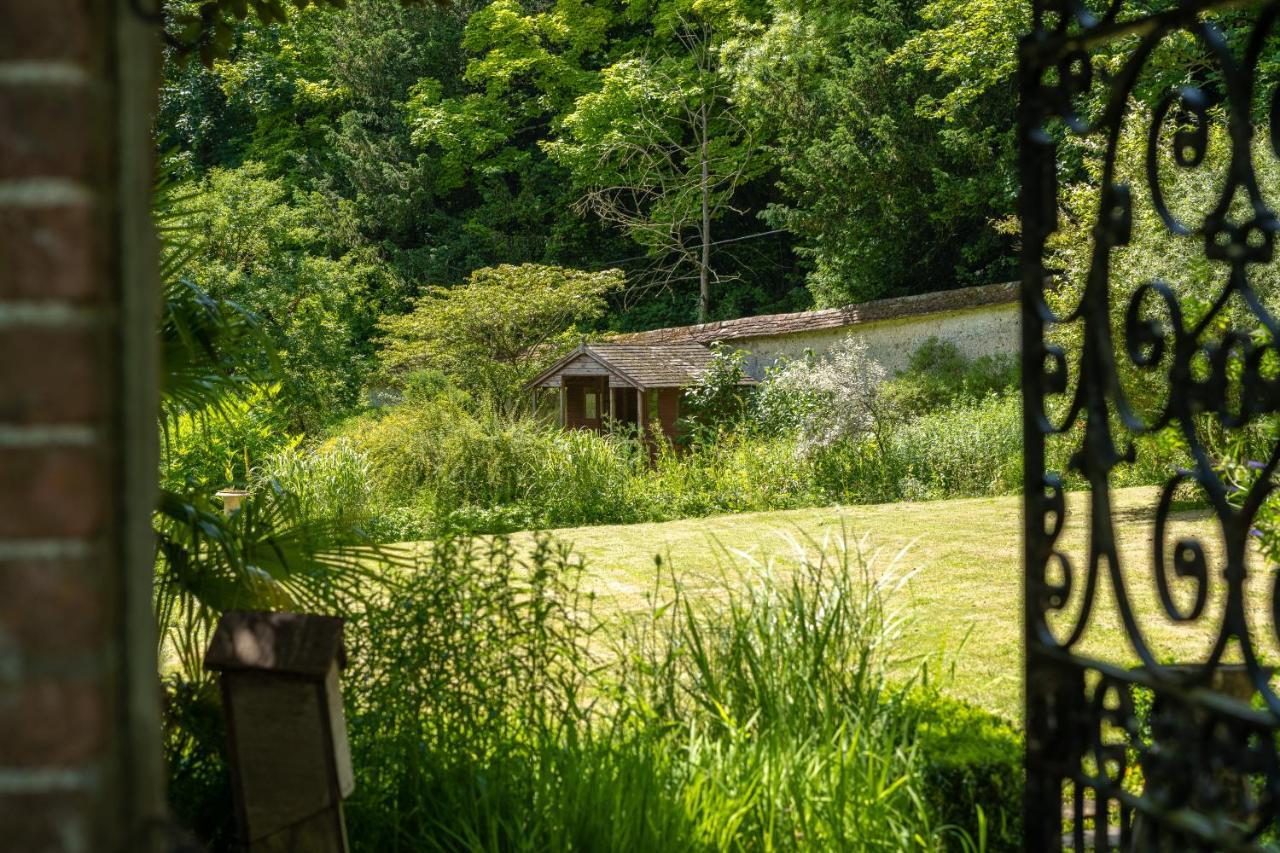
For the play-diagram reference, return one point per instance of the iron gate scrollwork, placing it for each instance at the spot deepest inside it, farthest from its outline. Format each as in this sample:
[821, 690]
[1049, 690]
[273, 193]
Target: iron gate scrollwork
[1137, 748]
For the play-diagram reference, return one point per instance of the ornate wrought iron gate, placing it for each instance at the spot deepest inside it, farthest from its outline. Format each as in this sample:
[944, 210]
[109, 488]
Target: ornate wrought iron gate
[1131, 751]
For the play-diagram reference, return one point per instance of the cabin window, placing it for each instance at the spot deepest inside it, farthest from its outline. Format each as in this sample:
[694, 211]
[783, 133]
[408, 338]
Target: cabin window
[590, 404]
[653, 404]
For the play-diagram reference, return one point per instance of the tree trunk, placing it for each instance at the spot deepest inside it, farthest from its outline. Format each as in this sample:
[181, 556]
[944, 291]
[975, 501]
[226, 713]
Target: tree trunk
[704, 268]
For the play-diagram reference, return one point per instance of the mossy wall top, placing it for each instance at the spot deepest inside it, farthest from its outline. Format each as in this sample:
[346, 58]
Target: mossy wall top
[977, 320]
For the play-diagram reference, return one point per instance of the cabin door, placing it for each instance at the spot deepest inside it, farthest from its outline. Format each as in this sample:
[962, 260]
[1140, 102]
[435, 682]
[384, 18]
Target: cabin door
[586, 401]
[624, 406]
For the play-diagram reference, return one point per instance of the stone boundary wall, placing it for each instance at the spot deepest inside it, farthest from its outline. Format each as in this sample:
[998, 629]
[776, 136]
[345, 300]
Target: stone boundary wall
[990, 330]
[980, 321]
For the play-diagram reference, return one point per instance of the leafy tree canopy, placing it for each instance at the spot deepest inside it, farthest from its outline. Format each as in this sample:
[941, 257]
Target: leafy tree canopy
[295, 259]
[495, 332]
[660, 148]
[734, 157]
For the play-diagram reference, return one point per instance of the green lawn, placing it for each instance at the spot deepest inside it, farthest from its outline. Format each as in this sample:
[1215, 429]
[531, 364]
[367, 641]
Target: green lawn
[963, 600]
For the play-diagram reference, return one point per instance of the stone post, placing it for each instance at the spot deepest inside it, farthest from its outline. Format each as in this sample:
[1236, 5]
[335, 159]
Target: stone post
[232, 499]
[290, 763]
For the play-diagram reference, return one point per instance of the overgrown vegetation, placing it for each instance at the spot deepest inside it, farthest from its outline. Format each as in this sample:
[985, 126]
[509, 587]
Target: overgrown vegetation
[404, 213]
[816, 432]
[282, 550]
[489, 709]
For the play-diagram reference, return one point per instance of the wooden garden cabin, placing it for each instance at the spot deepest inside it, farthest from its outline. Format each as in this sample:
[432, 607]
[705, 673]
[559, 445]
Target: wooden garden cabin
[629, 384]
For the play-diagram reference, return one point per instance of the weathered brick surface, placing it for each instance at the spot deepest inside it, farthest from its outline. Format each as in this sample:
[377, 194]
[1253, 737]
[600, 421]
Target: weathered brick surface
[50, 722]
[46, 822]
[60, 30]
[52, 375]
[52, 492]
[49, 253]
[33, 590]
[79, 774]
[34, 135]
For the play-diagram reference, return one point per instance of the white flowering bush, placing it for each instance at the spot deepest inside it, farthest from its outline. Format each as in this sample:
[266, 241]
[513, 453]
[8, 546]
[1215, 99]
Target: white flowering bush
[824, 399]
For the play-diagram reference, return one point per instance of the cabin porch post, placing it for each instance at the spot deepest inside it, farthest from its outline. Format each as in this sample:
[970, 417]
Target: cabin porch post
[563, 411]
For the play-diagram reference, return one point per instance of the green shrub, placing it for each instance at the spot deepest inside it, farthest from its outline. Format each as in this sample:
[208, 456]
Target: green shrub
[938, 375]
[455, 692]
[787, 731]
[718, 399]
[580, 477]
[398, 524]
[464, 471]
[488, 709]
[760, 719]
[737, 473]
[437, 468]
[972, 765]
[440, 464]
[207, 451]
[823, 399]
[195, 751]
[404, 444]
[332, 481]
[964, 450]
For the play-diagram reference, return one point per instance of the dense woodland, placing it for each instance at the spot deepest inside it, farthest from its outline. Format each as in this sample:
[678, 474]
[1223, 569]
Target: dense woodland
[342, 162]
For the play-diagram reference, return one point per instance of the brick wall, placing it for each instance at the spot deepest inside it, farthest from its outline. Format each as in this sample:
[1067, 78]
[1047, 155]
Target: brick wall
[78, 742]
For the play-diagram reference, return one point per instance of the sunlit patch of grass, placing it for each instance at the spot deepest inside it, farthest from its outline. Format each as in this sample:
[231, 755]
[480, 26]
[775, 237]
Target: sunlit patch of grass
[964, 595]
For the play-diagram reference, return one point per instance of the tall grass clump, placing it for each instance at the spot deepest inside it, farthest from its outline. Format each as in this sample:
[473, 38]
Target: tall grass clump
[582, 477]
[968, 449]
[734, 472]
[461, 685]
[491, 710]
[460, 468]
[333, 481]
[777, 698]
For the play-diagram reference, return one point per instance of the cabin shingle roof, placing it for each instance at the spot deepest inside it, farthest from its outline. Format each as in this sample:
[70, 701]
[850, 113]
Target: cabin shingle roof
[673, 365]
[771, 325]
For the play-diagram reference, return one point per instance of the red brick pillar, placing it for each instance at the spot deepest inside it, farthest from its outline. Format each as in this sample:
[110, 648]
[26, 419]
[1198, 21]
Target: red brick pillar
[79, 736]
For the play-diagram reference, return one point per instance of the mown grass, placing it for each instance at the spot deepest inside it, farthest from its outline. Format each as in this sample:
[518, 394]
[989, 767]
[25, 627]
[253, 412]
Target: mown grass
[964, 594]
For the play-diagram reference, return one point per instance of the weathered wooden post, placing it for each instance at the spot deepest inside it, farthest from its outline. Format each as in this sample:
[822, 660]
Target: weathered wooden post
[290, 761]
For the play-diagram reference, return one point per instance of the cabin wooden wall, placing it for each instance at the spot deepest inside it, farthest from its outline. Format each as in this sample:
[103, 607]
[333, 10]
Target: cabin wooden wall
[662, 405]
[623, 405]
